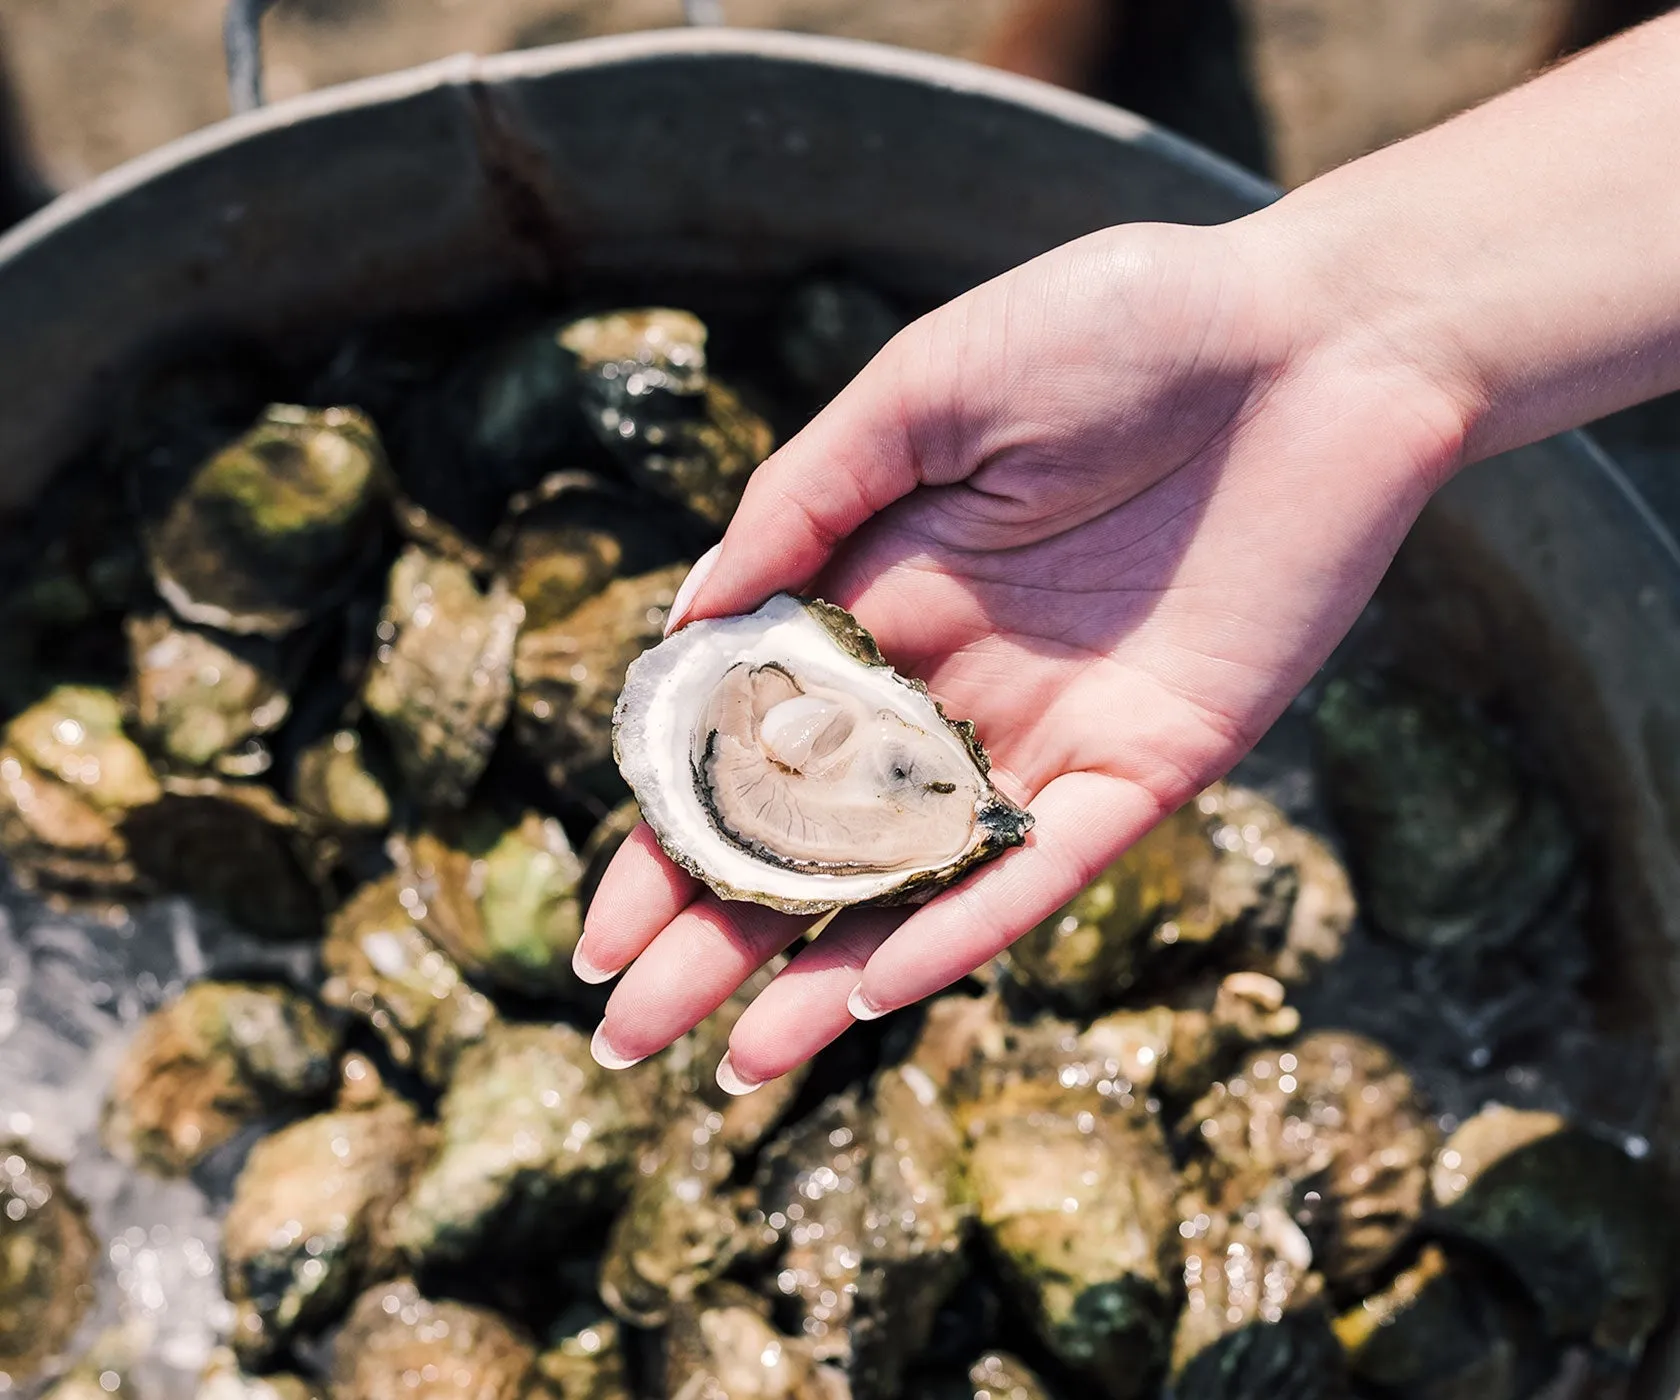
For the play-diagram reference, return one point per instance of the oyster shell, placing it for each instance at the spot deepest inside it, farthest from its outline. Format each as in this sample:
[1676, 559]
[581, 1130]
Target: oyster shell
[648, 397]
[274, 529]
[68, 776]
[779, 758]
[307, 1227]
[217, 1057]
[383, 968]
[442, 680]
[201, 700]
[47, 1253]
[400, 1345]
[587, 1365]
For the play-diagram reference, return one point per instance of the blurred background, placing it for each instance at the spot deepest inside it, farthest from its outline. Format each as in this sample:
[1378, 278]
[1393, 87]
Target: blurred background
[1286, 87]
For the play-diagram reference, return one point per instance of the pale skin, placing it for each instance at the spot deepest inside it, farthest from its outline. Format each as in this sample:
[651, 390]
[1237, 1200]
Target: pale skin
[1118, 505]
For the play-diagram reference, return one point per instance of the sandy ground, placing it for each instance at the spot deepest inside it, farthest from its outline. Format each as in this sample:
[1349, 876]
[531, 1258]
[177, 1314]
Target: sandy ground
[102, 80]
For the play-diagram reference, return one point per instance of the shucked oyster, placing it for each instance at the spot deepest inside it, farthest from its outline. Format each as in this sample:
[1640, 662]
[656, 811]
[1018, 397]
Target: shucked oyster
[779, 758]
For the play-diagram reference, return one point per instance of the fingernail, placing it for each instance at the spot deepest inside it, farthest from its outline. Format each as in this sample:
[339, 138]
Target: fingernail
[589, 972]
[731, 1082]
[860, 1006]
[690, 586]
[605, 1056]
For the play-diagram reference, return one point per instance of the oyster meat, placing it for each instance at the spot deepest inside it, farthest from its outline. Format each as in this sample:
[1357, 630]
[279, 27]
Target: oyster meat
[779, 758]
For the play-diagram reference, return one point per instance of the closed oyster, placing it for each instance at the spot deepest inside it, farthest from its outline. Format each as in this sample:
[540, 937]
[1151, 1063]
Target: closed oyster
[68, 777]
[587, 1365]
[871, 1208]
[1333, 1123]
[219, 1056]
[779, 758]
[235, 847]
[442, 679]
[568, 539]
[1254, 1325]
[1453, 845]
[200, 700]
[382, 967]
[1226, 882]
[274, 529]
[680, 1229]
[1075, 1191]
[223, 1379]
[648, 397]
[535, 1140]
[1576, 1219]
[400, 1345]
[569, 674]
[502, 900]
[308, 1225]
[1445, 1329]
[47, 1254]
[723, 1345]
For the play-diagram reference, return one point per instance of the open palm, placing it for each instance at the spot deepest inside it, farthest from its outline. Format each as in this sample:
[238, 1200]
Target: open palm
[1115, 507]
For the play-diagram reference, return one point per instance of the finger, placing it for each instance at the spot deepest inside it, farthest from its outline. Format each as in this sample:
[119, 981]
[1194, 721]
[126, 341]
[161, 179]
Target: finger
[1083, 821]
[640, 893]
[853, 460]
[689, 970]
[804, 1009]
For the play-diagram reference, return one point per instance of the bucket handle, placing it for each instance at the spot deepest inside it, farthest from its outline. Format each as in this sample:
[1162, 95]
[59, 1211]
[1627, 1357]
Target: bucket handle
[242, 44]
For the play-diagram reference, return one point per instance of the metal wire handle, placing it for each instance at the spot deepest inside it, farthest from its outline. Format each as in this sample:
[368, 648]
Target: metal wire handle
[242, 41]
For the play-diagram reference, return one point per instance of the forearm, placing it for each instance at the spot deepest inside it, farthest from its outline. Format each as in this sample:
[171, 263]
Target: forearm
[1523, 260]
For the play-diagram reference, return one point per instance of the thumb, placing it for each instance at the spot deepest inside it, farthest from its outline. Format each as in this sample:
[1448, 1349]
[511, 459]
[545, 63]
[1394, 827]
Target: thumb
[853, 460]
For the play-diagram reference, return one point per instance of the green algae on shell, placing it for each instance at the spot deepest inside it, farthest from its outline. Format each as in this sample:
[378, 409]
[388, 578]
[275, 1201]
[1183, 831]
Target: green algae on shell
[881, 798]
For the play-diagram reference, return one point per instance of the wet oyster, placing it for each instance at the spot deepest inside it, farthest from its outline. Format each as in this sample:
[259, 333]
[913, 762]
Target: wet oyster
[779, 758]
[308, 1227]
[501, 900]
[68, 776]
[381, 966]
[999, 1376]
[1452, 844]
[680, 1229]
[722, 1344]
[588, 1365]
[1075, 1193]
[1254, 1323]
[221, 1055]
[335, 786]
[534, 1139]
[1445, 1330]
[201, 701]
[567, 540]
[1573, 1216]
[274, 529]
[224, 1380]
[650, 401]
[442, 678]
[1225, 881]
[234, 847]
[872, 1209]
[1180, 1052]
[569, 675]
[399, 1345]
[1334, 1123]
[47, 1255]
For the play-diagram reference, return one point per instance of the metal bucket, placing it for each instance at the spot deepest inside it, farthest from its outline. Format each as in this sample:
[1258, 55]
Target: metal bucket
[722, 155]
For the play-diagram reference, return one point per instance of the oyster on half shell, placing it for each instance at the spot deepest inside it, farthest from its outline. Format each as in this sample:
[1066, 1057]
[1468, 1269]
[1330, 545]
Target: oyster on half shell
[778, 757]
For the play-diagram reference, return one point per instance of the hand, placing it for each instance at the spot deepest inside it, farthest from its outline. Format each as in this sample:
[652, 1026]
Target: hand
[1115, 507]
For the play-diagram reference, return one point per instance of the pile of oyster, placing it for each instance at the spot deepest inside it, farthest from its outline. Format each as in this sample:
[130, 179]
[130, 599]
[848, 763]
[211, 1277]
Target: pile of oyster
[334, 651]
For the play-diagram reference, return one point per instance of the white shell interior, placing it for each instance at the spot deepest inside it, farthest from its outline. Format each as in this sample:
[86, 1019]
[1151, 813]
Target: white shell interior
[664, 699]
